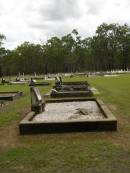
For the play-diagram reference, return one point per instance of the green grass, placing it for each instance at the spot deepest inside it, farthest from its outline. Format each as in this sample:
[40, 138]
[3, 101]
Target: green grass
[70, 157]
[95, 152]
[115, 90]
[13, 110]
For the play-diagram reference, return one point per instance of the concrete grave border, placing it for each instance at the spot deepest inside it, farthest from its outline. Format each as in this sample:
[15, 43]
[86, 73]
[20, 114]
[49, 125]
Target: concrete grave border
[27, 126]
[15, 95]
[75, 93]
[40, 84]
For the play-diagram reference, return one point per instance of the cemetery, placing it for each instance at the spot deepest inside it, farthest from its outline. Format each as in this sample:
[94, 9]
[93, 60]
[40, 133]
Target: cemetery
[64, 96]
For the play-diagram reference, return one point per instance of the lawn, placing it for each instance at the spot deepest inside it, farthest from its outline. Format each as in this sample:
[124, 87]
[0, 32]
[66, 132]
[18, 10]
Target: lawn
[91, 152]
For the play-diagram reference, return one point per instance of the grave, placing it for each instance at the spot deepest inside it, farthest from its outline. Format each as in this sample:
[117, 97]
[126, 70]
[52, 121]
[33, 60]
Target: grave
[66, 115]
[57, 94]
[35, 83]
[70, 89]
[10, 96]
[50, 77]
[3, 81]
[19, 81]
[38, 77]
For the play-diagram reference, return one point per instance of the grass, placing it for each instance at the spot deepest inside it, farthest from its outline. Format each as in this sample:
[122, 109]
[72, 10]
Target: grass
[69, 157]
[13, 110]
[95, 152]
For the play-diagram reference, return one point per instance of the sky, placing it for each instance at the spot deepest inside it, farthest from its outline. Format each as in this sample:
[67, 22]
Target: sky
[38, 20]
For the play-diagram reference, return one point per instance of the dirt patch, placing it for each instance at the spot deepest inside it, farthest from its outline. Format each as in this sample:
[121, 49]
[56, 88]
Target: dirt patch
[113, 108]
[9, 135]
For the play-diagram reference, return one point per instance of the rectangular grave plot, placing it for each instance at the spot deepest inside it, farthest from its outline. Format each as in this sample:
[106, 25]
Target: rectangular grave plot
[75, 86]
[107, 122]
[72, 94]
[10, 96]
[76, 83]
[40, 84]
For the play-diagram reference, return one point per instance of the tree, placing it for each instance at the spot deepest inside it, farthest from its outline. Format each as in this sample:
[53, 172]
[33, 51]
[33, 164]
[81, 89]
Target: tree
[108, 49]
[2, 52]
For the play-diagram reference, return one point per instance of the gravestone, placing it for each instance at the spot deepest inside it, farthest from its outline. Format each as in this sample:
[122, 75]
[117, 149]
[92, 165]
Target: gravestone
[3, 81]
[37, 103]
[57, 81]
[60, 78]
[32, 82]
[17, 79]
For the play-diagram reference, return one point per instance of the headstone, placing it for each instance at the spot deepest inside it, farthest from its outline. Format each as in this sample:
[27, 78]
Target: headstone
[35, 74]
[17, 79]
[3, 81]
[57, 81]
[23, 75]
[60, 78]
[37, 103]
[53, 91]
[32, 82]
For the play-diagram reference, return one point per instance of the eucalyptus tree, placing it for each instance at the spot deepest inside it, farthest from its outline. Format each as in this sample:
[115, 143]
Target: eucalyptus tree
[108, 49]
[68, 43]
[111, 46]
[123, 36]
[2, 52]
[53, 55]
[25, 58]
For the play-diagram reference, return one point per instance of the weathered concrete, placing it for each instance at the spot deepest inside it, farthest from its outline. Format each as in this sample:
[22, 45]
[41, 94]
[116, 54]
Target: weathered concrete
[70, 111]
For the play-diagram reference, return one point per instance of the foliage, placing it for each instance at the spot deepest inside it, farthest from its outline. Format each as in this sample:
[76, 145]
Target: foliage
[108, 49]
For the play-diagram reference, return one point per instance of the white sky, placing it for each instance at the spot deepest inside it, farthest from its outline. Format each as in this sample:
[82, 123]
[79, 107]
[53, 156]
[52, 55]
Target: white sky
[38, 20]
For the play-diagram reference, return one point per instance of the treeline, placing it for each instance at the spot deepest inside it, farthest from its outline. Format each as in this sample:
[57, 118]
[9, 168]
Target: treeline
[108, 49]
